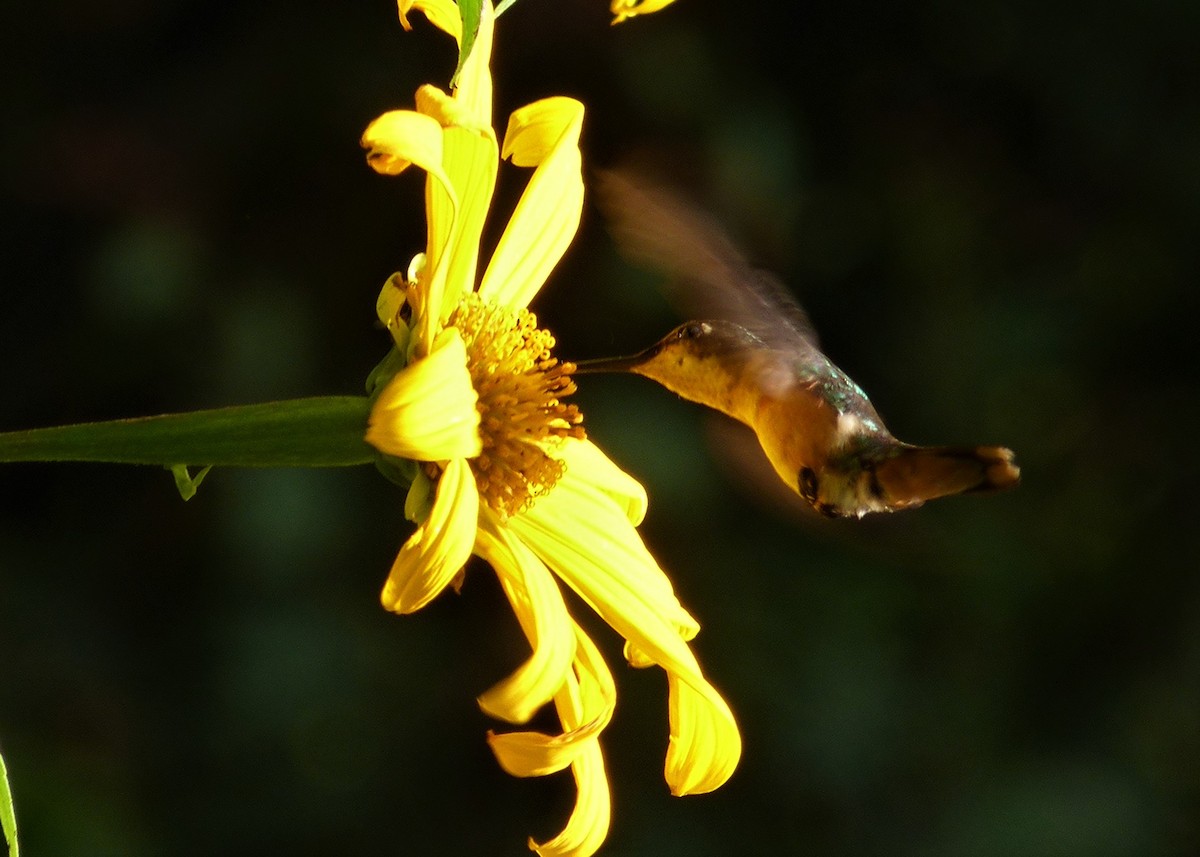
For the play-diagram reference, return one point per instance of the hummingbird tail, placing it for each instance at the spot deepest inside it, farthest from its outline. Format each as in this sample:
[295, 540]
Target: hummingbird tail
[922, 473]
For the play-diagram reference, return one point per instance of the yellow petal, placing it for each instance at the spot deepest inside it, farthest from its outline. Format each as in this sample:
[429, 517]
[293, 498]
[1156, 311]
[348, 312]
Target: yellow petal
[588, 825]
[536, 754]
[623, 9]
[443, 14]
[588, 464]
[539, 607]
[705, 745]
[390, 301]
[469, 161]
[399, 138]
[593, 691]
[395, 140]
[544, 135]
[427, 411]
[440, 546]
[585, 703]
[581, 532]
[474, 88]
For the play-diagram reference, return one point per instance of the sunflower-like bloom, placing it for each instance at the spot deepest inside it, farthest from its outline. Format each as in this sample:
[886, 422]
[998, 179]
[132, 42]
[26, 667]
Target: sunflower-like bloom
[504, 470]
[623, 9]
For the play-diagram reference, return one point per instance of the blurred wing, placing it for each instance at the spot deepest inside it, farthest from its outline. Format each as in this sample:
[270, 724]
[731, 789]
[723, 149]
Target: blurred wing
[710, 279]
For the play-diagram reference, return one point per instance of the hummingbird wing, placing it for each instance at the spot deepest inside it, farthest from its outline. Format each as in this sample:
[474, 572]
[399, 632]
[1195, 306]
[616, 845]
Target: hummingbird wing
[710, 278]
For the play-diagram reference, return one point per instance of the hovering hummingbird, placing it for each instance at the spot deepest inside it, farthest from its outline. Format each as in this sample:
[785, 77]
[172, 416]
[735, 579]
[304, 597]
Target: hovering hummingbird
[757, 360]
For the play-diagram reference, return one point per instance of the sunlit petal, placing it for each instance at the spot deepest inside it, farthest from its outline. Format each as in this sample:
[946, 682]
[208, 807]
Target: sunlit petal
[400, 138]
[588, 825]
[469, 161]
[539, 607]
[474, 88]
[427, 411]
[705, 745]
[544, 135]
[623, 9]
[440, 546]
[443, 14]
[587, 464]
[582, 533]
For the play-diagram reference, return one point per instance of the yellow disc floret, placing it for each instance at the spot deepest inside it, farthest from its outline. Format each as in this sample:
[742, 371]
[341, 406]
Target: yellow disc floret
[520, 387]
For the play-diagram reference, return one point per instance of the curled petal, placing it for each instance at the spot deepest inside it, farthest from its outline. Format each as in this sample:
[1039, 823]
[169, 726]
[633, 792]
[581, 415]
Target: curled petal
[544, 135]
[705, 745]
[393, 142]
[585, 702]
[582, 535]
[400, 138]
[427, 411]
[443, 14]
[543, 616]
[623, 9]
[590, 692]
[535, 754]
[588, 825]
[440, 547]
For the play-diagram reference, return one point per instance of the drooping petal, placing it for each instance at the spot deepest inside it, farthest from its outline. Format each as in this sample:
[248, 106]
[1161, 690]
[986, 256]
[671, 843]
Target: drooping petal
[443, 14]
[544, 135]
[705, 745]
[427, 411]
[400, 138]
[441, 545]
[394, 141]
[585, 703]
[539, 607]
[581, 534]
[623, 9]
[585, 526]
[594, 691]
[588, 825]
[536, 754]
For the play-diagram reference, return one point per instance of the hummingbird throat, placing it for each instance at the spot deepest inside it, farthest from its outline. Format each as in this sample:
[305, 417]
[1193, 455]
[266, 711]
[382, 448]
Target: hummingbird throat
[521, 414]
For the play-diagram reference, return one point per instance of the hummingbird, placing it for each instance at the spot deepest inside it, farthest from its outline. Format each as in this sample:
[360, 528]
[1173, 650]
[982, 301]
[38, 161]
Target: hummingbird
[756, 359]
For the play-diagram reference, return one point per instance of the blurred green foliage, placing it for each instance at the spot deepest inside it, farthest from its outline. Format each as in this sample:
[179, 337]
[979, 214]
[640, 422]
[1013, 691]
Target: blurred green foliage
[990, 211]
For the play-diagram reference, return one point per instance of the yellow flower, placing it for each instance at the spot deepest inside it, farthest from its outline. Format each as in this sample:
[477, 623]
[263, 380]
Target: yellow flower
[504, 469]
[623, 9]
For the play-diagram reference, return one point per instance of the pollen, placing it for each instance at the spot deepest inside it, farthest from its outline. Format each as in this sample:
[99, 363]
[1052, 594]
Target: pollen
[521, 387]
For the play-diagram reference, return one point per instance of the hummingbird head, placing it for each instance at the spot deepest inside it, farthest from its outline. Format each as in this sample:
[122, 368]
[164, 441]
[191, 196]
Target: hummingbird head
[892, 476]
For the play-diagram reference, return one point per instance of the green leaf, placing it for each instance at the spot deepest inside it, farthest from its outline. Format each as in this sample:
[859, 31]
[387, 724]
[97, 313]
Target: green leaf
[8, 816]
[324, 431]
[185, 483]
[470, 11]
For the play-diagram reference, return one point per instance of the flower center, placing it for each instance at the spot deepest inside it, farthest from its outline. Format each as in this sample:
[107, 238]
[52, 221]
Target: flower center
[520, 386]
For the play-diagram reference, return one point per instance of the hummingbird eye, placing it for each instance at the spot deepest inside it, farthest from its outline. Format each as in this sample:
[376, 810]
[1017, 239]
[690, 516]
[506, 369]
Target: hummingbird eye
[809, 485]
[694, 330]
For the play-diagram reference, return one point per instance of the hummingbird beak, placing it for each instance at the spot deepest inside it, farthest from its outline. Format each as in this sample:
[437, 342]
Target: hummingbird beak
[613, 364]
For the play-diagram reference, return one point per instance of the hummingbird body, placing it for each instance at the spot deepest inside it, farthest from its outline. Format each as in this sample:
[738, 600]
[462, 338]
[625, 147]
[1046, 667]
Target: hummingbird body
[817, 427]
[758, 361]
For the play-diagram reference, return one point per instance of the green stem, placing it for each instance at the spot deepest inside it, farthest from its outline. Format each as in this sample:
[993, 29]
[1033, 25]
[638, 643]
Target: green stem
[316, 432]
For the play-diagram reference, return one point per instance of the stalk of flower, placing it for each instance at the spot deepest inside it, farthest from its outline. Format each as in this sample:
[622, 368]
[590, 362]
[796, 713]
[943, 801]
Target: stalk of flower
[504, 470]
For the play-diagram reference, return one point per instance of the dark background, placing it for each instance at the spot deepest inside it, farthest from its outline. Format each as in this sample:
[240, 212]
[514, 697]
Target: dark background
[990, 211]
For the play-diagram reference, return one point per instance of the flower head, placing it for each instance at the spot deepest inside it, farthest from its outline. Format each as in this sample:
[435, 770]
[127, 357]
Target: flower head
[504, 470]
